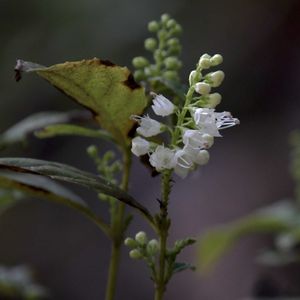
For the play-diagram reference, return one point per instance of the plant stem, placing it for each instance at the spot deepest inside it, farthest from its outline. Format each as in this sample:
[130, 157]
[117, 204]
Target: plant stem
[118, 227]
[163, 229]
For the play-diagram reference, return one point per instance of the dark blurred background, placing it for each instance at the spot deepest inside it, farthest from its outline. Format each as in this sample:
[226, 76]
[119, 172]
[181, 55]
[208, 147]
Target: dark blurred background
[260, 42]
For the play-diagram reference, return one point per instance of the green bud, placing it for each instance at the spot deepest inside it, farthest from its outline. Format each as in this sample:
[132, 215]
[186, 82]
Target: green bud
[177, 29]
[92, 151]
[172, 63]
[130, 242]
[162, 34]
[158, 55]
[173, 42]
[171, 23]
[165, 18]
[152, 247]
[141, 238]
[153, 26]
[139, 75]
[109, 155]
[151, 71]
[170, 75]
[150, 44]
[140, 62]
[217, 59]
[135, 254]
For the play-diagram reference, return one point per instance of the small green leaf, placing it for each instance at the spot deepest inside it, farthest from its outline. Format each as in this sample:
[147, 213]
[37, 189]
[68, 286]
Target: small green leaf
[108, 90]
[69, 129]
[70, 174]
[179, 267]
[217, 241]
[27, 126]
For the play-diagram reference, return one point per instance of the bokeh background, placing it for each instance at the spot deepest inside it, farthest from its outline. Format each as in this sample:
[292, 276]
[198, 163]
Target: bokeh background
[260, 42]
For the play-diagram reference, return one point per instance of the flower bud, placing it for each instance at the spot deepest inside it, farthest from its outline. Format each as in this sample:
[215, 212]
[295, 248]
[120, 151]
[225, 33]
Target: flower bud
[202, 157]
[150, 44]
[171, 23]
[177, 29]
[213, 100]
[216, 78]
[170, 75]
[172, 63]
[140, 62]
[217, 59]
[92, 151]
[152, 247]
[140, 146]
[165, 18]
[129, 242]
[139, 75]
[141, 238]
[204, 63]
[135, 254]
[162, 34]
[153, 26]
[194, 77]
[202, 88]
[173, 42]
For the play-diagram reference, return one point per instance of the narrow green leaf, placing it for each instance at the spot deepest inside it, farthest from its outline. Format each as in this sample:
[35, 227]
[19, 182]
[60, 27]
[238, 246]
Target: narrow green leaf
[27, 126]
[69, 129]
[217, 241]
[108, 90]
[70, 174]
[179, 267]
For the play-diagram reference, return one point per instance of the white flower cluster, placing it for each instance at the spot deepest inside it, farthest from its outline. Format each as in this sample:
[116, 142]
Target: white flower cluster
[197, 125]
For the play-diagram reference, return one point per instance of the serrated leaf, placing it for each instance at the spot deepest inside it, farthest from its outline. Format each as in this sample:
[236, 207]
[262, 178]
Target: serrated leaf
[216, 242]
[69, 129]
[106, 89]
[27, 126]
[70, 174]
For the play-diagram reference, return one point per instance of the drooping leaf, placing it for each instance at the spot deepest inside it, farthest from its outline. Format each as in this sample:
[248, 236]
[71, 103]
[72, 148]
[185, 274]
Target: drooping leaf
[106, 89]
[217, 241]
[69, 129]
[27, 126]
[70, 174]
[43, 187]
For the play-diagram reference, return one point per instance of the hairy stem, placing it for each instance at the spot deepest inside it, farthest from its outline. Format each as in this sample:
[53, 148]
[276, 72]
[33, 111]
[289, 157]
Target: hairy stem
[163, 229]
[118, 227]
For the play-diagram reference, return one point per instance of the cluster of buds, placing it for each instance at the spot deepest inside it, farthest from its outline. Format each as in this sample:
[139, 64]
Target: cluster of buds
[196, 127]
[141, 247]
[165, 48]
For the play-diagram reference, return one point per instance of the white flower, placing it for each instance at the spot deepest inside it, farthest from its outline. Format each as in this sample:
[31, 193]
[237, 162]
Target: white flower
[216, 78]
[197, 139]
[225, 120]
[184, 163]
[140, 146]
[202, 88]
[162, 106]
[162, 158]
[206, 121]
[148, 127]
[201, 158]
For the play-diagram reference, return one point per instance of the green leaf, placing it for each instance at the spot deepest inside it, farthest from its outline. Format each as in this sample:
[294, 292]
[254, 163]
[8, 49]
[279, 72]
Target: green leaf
[179, 267]
[69, 129]
[22, 129]
[217, 241]
[70, 174]
[108, 90]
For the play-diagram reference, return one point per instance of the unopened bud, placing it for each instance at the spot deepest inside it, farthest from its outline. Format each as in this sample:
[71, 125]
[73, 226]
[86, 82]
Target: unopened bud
[204, 63]
[141, 238]
[153, 26]
[216, 78]
[130, 242]
[135, 254]
[202, 88]
[172, 63]
[140, 62]
[214, 100]
[202, 157]
[150, 44]
[217, 59]
[152, 247]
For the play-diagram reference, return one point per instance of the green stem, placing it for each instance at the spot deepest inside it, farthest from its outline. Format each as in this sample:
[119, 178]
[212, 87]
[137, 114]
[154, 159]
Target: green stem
[163, 229]
[118, 228]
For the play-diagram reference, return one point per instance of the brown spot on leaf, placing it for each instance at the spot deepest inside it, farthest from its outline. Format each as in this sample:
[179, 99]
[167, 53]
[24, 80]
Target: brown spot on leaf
[107, 63]
[130, 82]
